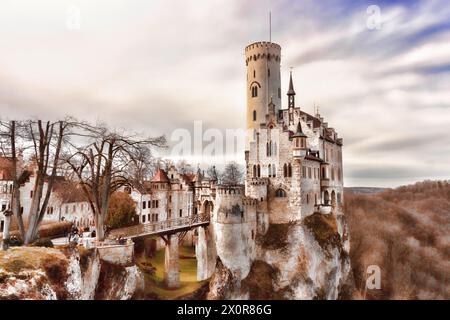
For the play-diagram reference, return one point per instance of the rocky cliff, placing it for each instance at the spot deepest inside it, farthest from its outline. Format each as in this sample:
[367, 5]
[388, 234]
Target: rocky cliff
[68, 273]
[299, 260]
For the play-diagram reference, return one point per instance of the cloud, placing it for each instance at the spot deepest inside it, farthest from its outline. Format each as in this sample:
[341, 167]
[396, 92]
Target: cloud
[154, 66]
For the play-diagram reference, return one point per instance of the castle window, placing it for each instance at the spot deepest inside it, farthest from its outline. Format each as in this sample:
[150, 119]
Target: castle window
[254, 115]
[289, 170]
[181, 213]
[279, 93]
[144, 204]
[280, 193]
[274, 171]
[307, 199]
[268, 72]
[254, 73]
[259, 171]
[254, 91]
[285, 170]
[254, 171]
[143, 219]
[270, 170]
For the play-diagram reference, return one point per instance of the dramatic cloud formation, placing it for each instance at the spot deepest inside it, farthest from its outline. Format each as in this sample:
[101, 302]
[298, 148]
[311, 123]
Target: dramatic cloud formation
[154, 66]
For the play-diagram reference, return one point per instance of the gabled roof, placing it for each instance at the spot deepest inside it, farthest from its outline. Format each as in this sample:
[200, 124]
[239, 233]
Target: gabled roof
[160, 176]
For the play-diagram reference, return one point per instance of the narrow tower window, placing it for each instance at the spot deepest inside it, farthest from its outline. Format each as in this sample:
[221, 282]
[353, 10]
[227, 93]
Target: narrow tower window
[254, 115]
[268, 72]
[254, 91]
[254, 73]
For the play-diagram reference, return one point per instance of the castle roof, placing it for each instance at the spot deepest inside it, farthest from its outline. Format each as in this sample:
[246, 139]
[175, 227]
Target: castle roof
[299, 133]
[198, 177]
[291, 91]
[160, 176]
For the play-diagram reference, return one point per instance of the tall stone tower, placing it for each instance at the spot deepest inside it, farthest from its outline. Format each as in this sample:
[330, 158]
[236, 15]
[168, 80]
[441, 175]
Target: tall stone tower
[263, 82]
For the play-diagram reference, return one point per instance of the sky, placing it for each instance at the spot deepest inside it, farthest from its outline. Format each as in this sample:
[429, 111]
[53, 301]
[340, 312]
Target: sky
[380, 75]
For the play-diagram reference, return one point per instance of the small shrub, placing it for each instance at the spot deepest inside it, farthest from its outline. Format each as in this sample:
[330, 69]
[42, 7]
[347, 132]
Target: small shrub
[43, 242]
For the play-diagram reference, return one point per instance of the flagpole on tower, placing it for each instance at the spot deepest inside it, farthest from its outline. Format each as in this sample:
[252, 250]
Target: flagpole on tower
[270, 26]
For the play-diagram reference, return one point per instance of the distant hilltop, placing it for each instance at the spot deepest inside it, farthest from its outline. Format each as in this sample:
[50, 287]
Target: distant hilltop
[364, 190]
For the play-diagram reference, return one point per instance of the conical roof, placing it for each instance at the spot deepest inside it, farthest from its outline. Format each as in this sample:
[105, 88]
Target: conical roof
[299, 133]
[291, 91]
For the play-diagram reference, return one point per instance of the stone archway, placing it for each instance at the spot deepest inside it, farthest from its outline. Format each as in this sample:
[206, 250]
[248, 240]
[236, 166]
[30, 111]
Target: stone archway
[207, 207]
[326, 198]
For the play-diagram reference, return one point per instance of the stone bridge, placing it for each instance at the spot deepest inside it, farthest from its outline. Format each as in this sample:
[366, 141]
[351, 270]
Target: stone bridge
[173, 231]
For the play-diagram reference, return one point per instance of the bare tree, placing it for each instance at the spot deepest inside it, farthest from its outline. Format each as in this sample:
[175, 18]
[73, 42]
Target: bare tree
[12, 149]
[184, 167]
[47, 140]
[213, 173]
[105, 163]
[232, 175]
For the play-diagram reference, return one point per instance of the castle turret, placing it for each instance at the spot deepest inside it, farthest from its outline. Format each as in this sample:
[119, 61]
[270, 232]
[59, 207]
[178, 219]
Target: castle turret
[263, 82]
[299, 143]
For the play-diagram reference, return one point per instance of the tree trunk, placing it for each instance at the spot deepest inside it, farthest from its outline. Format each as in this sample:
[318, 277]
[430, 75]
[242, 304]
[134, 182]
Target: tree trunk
[5, 242]
[16, 172]
[33, 220]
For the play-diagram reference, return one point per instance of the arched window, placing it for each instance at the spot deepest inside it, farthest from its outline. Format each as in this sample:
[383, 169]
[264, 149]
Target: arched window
[274, 171]
[254, 115]
[254, 171]
[259, 171]
[254, 91]
[307, 198]
[280, 193]
[285, 173]
[270, 170]
[267, 149]
[289, 170]
[274, 149]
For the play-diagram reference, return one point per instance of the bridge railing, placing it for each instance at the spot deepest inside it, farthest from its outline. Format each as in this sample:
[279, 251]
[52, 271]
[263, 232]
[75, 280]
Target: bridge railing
[160, 225]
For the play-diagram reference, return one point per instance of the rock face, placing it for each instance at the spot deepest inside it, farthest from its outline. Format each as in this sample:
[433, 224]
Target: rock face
[298, 260]
[70, 273]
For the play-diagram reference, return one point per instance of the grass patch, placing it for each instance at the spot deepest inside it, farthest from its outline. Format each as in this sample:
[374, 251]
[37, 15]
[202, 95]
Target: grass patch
[153, 269]
[276, 236]
[324, 229]
[18, 259]
[259, 282]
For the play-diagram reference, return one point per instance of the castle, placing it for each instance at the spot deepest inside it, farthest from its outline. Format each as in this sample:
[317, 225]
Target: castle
[293, 169]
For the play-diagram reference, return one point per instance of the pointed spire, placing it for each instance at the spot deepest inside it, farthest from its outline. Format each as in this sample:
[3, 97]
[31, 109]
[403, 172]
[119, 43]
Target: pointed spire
[299, 132]
[291, 91]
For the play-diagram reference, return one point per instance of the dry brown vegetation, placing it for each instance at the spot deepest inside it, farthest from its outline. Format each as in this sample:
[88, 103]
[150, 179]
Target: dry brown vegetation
[406, 232]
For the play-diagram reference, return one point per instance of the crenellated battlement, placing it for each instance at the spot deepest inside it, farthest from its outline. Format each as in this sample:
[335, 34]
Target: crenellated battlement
[262, 44]
[258, 181]
[230, 190]
[263, 50]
